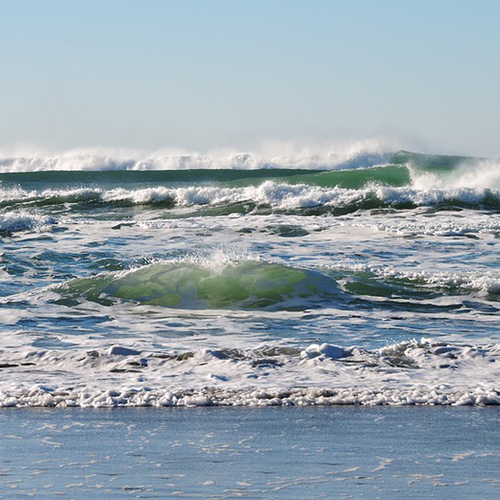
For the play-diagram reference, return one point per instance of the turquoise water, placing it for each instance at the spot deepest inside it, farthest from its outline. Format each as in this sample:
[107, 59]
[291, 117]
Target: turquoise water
[367, 284]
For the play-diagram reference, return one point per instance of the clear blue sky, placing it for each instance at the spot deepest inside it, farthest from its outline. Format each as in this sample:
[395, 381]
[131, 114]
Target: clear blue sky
[201, 74]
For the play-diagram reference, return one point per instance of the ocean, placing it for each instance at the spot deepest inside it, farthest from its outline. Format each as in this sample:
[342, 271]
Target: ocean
[374, 281]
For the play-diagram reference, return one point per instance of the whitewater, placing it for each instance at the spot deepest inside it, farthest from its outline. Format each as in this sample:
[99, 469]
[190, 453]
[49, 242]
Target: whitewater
[366, 278]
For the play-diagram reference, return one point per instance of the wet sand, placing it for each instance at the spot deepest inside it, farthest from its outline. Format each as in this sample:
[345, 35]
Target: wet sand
[317, 452]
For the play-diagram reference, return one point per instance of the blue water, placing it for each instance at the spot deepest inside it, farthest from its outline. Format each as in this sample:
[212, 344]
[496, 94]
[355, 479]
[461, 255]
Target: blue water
[251, 453]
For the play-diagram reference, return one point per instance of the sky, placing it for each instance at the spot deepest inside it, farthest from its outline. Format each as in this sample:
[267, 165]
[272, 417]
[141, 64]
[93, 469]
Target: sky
[199, 75]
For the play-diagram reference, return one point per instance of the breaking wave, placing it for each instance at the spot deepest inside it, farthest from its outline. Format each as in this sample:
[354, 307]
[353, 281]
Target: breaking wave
[187, 285]
[405, 373]
[269, 194]
[278, 155]
[408, 181]
[12, 222]
[192, 284]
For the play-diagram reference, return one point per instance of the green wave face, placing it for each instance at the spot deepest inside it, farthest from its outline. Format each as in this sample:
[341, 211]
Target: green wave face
[429, 161]
[392, 175]
[245, 285]
[356, 179]
[396, 173]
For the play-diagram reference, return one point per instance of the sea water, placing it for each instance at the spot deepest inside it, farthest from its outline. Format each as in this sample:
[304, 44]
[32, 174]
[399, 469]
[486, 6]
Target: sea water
[374, 281]
[218, 453]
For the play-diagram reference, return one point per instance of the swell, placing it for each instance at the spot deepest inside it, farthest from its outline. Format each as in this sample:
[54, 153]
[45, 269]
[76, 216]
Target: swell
[393, 285]
[354, 178]
[188, 285]
[194, 285]
[123, 178]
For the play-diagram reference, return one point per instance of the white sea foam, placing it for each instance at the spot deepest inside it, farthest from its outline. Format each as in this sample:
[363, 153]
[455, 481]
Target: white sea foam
[475, 175]
[269, 193]
[269, 154]
[24, 221]
[439, 227]
[407, 373]
[465, 281]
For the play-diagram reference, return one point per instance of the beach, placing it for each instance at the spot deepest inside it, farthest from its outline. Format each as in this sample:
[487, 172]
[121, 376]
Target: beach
[249, 249]
[320, 452]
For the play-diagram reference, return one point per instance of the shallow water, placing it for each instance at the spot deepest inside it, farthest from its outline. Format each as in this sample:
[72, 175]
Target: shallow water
[347, 452]
[377, 285]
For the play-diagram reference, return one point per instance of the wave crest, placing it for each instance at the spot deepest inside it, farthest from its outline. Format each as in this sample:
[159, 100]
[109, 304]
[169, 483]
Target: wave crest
[186, 285]
[275, 195]
[24, 221]
[277, 154]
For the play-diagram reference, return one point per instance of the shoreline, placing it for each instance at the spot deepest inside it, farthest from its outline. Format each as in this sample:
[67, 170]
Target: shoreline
[313, 452]
[257, 397]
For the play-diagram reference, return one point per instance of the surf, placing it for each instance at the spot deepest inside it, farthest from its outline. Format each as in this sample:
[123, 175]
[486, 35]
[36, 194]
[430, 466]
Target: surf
[187, 285]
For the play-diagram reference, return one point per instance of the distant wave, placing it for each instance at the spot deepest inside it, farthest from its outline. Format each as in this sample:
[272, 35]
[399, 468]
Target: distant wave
[268, 195]
[409, 180]
[359, 154]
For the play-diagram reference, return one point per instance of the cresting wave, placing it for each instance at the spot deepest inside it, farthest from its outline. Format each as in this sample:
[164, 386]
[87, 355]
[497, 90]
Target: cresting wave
[12, 222]
[408, 373]
[252, 285]
[277, 155]
[269, 194]
[409, 181]
[187, 285]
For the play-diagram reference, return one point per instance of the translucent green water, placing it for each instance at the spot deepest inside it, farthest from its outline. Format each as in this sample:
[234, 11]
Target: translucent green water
[247, 285]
